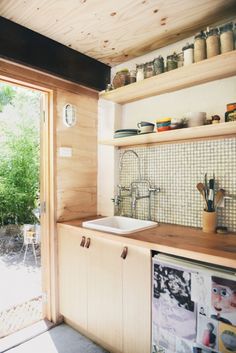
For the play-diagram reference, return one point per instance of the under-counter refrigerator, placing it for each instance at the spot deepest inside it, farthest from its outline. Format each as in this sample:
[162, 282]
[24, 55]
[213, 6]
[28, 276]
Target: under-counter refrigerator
[193, 307]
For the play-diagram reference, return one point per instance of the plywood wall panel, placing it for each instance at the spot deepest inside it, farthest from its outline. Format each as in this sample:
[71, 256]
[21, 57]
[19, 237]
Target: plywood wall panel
[77, 175]
[82, 196]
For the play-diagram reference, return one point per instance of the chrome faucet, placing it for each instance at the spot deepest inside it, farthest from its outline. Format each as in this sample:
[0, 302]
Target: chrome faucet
[133, 191]
[136, 155]
[136, 196]
[118, 197]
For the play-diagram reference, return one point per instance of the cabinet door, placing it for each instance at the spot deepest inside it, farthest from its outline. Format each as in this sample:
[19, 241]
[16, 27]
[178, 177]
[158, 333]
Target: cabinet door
[137, 301]
[72, 277]
[105, 293]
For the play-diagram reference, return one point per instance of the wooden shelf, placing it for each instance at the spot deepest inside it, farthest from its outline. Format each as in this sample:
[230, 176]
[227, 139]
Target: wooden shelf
[220, 66]
[198, 132]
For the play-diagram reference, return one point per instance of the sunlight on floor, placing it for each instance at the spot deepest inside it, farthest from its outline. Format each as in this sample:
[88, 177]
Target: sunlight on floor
[42, 343]
[19, 283]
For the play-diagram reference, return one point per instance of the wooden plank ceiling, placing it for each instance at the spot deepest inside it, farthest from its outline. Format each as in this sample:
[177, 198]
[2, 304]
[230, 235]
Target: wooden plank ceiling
[114, 31]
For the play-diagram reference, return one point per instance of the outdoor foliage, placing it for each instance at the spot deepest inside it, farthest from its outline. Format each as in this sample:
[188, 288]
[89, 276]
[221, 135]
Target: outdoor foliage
[19, 167]
[7, 94]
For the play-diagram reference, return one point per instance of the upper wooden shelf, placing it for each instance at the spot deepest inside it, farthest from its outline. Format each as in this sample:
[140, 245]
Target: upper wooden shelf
[215, 68]
[198, 132]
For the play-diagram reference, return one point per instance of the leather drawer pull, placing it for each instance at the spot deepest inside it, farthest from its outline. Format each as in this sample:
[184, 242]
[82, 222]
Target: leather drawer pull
[82, 241]
[87, 245]
[124, 252]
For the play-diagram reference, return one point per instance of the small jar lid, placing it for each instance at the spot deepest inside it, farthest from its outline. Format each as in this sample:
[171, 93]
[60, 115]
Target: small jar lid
[180, 55]
[200, 35]
[213, 31]
[159, 58]
[149, 63]
[215, 117]
[172, 56]
[227, 27]
[188, 46]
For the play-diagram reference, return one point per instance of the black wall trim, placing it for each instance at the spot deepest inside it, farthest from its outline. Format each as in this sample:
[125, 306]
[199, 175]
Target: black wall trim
[27, 47]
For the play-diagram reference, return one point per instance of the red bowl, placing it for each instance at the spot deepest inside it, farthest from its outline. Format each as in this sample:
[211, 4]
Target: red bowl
[163, 128]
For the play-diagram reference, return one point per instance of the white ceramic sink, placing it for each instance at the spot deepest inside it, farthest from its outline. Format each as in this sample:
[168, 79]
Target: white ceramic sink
[119, 225]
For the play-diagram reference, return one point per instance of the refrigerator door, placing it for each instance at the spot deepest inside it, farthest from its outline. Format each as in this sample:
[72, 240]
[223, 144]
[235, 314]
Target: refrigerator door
[193, 307]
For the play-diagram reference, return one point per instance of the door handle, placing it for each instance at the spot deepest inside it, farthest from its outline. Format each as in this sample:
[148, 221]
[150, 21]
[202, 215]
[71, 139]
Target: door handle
[87, 245]
[124, 252]
[82, 241]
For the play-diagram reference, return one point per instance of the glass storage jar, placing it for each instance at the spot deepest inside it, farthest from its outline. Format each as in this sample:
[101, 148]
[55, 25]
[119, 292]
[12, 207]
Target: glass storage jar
[132, 74]
[188, 54]
[158, 64]
[139, 72]
[226, 38]
[212, 42]
[230, 115]
[234, 32]
[148, 69]
[171, 62]
[180, 59]
[121, 78]
[199, 47]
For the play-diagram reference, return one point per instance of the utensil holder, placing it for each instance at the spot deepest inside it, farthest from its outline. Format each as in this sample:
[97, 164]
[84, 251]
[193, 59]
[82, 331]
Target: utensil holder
[209, 222]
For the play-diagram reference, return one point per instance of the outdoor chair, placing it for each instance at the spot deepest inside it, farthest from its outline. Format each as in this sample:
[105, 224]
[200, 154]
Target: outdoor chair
[31, 235]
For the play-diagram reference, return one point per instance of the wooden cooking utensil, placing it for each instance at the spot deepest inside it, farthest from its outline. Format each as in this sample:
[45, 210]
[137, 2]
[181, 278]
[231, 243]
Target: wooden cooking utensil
[219, 197]
[202, 190]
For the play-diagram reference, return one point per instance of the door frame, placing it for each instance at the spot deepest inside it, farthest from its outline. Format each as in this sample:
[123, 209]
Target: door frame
[47, 187]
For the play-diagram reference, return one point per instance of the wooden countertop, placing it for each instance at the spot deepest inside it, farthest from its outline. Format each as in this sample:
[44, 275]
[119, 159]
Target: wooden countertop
[189, 242]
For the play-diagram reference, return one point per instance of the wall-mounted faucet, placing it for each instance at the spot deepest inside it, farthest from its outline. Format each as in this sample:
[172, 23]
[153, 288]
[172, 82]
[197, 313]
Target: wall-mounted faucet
[133, 191]
[119, 196]
[138, 159]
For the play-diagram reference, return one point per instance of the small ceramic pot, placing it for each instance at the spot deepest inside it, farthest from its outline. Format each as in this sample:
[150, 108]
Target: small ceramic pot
[195, 118]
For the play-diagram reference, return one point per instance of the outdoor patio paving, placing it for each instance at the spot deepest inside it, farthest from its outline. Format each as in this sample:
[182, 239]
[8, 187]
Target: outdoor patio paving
[20, 288]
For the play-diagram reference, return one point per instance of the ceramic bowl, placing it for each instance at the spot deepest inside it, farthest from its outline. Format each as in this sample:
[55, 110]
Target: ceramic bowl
[146, 129]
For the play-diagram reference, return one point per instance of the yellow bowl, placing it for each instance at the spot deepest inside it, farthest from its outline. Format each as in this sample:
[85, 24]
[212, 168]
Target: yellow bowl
[163, 120]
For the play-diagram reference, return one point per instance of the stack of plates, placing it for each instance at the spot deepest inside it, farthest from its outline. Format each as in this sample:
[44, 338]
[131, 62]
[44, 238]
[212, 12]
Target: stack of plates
[125, 133]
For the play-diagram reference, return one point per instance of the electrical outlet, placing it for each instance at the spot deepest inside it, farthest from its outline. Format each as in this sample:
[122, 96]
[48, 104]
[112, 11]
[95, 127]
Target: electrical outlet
[65, 152]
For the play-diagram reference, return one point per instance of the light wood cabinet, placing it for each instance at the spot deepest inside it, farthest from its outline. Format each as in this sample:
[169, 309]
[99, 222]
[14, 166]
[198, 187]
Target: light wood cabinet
[73, 268]
[137, 300]
[104, 294]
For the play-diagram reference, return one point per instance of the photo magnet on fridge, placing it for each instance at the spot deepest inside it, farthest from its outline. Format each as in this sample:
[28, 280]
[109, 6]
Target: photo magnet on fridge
[223, 300]
[207, 332]
[227, 338]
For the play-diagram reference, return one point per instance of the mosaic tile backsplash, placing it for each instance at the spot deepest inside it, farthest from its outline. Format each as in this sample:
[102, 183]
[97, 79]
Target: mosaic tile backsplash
[176, 169]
